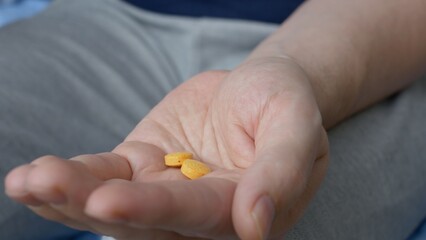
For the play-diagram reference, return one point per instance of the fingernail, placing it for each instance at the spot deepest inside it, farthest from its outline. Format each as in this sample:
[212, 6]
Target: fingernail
[263, 214]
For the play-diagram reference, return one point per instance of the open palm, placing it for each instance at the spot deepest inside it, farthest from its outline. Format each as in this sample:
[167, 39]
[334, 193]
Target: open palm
[257, 127]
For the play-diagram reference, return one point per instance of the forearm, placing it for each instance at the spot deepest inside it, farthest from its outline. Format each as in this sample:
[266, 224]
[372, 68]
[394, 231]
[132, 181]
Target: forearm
[355, 52]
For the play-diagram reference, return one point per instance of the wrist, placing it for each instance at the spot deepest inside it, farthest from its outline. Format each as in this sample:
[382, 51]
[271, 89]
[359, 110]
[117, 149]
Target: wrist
[335, 77]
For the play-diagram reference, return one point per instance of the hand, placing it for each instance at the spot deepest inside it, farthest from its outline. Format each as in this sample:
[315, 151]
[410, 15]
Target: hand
[258, 128]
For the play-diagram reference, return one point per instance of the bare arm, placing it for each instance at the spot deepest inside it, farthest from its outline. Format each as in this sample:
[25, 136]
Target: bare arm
[355, 52]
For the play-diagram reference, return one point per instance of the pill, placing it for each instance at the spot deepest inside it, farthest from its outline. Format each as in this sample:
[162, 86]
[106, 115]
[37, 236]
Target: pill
[194, 169]
[176, 159]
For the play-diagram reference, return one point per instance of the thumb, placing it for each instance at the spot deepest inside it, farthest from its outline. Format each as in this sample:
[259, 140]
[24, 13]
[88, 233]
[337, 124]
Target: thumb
[285, 154]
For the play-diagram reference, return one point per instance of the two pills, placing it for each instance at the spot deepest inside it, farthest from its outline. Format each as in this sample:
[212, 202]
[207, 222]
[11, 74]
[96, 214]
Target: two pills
[189, 167]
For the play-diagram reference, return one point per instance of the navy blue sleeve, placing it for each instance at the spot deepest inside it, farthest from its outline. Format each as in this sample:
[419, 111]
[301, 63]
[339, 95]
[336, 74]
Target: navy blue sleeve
[275, 11]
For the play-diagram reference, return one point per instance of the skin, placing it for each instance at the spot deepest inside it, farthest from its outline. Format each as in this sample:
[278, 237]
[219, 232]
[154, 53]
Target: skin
[260, 127]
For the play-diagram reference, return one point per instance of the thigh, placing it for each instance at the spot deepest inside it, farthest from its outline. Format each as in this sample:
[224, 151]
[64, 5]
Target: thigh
[75, 79]
[375, 186]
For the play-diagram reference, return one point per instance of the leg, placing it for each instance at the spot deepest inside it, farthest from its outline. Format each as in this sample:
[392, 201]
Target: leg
[375, 187]
[73, 82]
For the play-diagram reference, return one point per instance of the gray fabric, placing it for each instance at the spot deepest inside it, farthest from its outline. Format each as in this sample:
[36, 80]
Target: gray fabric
[77, 78]
[375, 187]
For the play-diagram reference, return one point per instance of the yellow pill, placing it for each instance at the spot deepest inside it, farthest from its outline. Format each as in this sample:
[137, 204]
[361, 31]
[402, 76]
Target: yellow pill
[176, 159]
[194, 169]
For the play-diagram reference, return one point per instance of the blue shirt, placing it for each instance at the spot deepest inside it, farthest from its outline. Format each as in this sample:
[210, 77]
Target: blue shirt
[275, 11]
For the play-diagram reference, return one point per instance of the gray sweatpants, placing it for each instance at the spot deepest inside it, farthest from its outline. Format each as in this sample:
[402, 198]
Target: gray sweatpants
[77, 78]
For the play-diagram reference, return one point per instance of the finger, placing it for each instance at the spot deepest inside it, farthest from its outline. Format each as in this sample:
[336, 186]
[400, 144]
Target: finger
[50, 177]
[185, 206]
[284, 159]
[128, 160]
[105, 166]
[15, 185]
[116, 230]
[64, 186]
[147, 162]
[18, 189]
[144, 159]
[47, 212]
[119, 231]
[58, 181]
